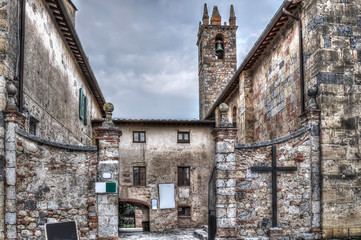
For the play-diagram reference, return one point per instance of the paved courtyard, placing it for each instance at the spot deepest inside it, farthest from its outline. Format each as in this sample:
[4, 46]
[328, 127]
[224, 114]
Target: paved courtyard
[174, 235]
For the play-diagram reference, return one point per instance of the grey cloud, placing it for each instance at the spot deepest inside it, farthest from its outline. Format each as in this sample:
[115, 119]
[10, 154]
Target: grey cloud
[144, 52]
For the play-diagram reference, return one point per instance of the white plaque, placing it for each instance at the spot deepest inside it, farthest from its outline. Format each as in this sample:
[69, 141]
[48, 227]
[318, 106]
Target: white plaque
[166, 196]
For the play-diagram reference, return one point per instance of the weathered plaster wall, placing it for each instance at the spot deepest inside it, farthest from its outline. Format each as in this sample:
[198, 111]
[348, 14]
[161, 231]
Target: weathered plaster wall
[161, 154]
[333, 33]
[52, 185]
[52, 81]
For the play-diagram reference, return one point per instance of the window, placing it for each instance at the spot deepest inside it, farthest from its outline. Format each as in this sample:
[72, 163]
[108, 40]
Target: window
[183, 137]
[184, 211]
[139, 137]
[139, 176]
[183, 176]
[33, 125]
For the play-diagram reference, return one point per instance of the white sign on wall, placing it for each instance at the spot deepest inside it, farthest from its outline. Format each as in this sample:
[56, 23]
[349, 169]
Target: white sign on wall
[166, 196]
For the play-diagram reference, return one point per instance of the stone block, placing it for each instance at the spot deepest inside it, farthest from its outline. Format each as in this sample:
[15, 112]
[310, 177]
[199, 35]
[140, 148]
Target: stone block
[108, 231]
[11, 231]
[10, 218]
[11, 193]
[317, 20]
[344, 30]
[224, 147]
[10, 176]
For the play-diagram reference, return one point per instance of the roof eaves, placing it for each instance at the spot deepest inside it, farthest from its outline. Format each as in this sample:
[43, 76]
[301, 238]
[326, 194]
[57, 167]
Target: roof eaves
[59, 12]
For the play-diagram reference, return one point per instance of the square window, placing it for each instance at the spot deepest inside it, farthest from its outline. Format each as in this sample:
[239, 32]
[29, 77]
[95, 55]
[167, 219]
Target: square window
[139, 176]
[184, 211]
[139, 137]
[183, 137]
[184, 176]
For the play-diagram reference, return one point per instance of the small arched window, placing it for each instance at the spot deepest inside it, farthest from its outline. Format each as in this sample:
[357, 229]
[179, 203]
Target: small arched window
[219, 46]
[234, 116]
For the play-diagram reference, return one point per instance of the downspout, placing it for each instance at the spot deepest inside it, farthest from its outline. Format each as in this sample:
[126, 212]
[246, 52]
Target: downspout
[302, 78]
[21, 61]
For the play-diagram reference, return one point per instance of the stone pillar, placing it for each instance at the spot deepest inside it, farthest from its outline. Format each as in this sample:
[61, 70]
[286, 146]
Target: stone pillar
[311, 118]
[13, 120]
[225, 137]
[108, 204]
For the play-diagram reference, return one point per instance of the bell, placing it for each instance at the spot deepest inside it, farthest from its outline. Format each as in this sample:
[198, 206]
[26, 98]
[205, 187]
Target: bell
[219, 48]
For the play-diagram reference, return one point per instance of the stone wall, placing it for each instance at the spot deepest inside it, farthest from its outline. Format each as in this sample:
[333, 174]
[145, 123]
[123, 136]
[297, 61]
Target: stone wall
[8, 58]
[333, 33]
[294, 193]
[52, 81]
[52, 185]
[161, 155]
[275, 81]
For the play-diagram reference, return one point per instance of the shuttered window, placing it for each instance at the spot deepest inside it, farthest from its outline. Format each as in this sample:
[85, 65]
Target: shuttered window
[83, 107]
[184, 176]
[139, 176]
[81, 104]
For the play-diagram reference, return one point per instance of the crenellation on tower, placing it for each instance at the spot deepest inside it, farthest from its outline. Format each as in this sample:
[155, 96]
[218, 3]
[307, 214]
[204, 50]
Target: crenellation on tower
[205, 15]
[216, 17]
[217, 57]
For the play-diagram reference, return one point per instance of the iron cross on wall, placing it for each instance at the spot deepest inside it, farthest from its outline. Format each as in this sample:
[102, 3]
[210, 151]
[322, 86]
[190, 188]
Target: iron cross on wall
[273, 169]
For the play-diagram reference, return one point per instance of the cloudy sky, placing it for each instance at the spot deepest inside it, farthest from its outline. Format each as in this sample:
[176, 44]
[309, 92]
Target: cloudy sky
[144, 53]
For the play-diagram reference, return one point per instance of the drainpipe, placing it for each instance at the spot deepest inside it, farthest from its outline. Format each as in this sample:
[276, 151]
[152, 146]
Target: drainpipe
[302, 78]
[21, 61]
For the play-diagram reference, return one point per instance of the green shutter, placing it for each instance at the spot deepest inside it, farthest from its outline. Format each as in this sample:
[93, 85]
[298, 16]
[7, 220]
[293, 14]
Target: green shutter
[81, 104]
[85, 110]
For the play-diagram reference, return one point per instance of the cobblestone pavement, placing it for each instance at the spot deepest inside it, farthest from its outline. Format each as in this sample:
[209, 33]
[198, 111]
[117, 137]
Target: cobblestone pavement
[174, 235]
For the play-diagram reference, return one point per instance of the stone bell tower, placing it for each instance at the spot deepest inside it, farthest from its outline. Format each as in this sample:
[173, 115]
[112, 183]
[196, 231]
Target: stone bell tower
[217, 57]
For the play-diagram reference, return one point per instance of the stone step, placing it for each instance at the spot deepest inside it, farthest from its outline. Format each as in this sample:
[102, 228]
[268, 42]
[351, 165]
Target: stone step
[201, 234]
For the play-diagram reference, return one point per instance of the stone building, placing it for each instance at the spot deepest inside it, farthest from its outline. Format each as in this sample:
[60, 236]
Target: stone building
[157, 152]
[292, 127]
[48, 97]
[276, 148]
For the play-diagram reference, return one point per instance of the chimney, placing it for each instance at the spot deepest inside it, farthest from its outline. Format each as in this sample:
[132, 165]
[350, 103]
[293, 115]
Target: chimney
[216, 17]
[232, 17]
[71, 10]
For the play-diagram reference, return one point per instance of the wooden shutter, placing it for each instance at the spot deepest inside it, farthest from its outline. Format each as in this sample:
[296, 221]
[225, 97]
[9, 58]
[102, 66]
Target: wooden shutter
[136, 176]
[85, 110]
[180, 177]
[81, 106]
[187, 179]
[142, 176]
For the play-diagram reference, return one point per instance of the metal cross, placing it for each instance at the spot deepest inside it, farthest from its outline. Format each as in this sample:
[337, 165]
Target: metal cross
[274, 170]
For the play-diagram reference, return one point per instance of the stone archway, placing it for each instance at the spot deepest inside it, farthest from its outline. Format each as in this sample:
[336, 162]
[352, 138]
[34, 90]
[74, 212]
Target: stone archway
[140, 214]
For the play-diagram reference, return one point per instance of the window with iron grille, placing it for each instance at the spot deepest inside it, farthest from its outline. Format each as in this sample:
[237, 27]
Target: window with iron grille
[184, 176]
[139, 176]
[139, 137]
[183, 137]
[184, 211]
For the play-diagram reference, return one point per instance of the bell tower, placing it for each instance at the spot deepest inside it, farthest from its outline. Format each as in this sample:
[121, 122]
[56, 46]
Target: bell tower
[217, 57]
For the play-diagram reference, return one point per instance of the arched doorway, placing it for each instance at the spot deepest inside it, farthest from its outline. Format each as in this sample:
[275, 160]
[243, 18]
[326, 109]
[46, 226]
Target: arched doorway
[133, 215]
